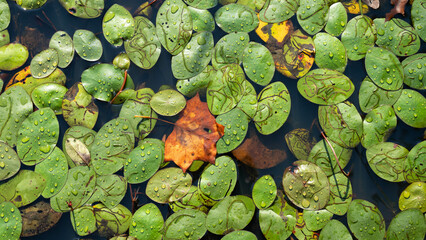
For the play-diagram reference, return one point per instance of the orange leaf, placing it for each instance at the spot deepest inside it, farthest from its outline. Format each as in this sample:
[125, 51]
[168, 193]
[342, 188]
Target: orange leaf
[194, 136]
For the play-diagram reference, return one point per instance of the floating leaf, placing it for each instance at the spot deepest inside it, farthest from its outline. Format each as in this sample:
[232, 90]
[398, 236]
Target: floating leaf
[315, 220]
[4, 37]
[236, 18]
[37, 136]
[410, 222]
[335, 230]
[273, 108]
[229, 49]
[337, 19]
[414, 196]
[62, 43]
[38, 218]
[411, 108]
[418, 10]
[114, 221]
[168, 102]
[312, 16]
[109, 190]
[76, 144]
[44, 63]
[11, 226]
[117, 25]
[168, 185]
[365, 220]
[340, 194]
[13, 56]
[143, 48]
[322, 155]
[5, 15]
[301, 231]
[201, 4]
[112, 145]
[174, 37]
[371, 96]
[353, 7]
[83, 8]
[202, 20]
[256, 5]
[275, 11]
[258, 63]
[232, 212]
[102, 81]
[83, 220]
[300, 143]
[190, 87]
[49, 95]
[248, 102]
[414, 169]
[325, 87]
[312, 196]
[330, 52]
[23, 189]
[264, 192]
[55, 170]
[87, 45]
[15, 106]
[377, 125]
[358, 37]
[239, 235]
[236, 126]
[414, 71]
[194, 57]
[384, 68]
[274, 34]
[31, 4]
[192, 200]
[147, 223]
[185, 224]
[9, 161]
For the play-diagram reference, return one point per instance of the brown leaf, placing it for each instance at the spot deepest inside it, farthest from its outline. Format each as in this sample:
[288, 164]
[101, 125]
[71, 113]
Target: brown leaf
[194, 136]
[38, 218]
[399, 8]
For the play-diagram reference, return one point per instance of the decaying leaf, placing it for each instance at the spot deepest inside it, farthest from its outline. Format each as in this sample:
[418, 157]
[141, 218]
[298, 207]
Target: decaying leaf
[38, 218]
[399, 8]
[194, 136]
[375, 4]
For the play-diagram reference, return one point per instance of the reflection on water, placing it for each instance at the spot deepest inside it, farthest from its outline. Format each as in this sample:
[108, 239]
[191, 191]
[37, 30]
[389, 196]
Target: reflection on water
[34, 29]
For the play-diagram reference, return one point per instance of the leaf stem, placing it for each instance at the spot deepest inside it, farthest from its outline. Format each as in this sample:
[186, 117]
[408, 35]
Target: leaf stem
[122, 86]
[158, 119]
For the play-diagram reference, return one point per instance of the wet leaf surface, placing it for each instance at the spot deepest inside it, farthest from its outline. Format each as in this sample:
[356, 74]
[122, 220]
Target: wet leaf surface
[112, 221]
[418, 11]
[411, 108]
[337, 19]
[413, 197]
[87, 45]
[365, 220]
[84, 8]
[316, 219]
[335, 230]
[236, 126]
[236, 18]
[13, 56]
[377, 125]
[9, 161]
[12, 226]
[312, 16]
[322, 155]
[399, 229]
[202, 20]
[44, 63]
[330, 52]
[340, 194]
[414, 169]
[190, 87]
[185, 224]
[147, 223]
[358, 37]
[62, 43]
[76, 144]
[117, 25]
[38, 218]
[275, 11]
[83, 220]
[300, 142]
[258, 63]
[415, 71]
[5, 15]
[168, 102]
[371, 96]
[49, 95]
[229, 49]
[264, 192]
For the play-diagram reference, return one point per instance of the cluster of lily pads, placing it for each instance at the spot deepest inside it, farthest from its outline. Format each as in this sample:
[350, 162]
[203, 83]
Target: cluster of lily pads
[89, 176]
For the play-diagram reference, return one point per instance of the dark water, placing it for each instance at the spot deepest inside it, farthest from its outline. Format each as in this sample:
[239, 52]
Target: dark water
[366, 185]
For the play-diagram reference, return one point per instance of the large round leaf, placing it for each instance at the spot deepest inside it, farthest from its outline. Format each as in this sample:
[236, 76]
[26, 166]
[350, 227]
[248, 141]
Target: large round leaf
[275, 11]
[114, 221]
[12, 56]
[330, 52]
[83, 220]
[168, 102]
[414, 196]
[236, 18]
[5, 15]
[377, 125]
[371, 96]
[258, 63]
[312, 15]
[202, 20]
[415, 70]
[185, 224]
[147, 223]
[418, 14]
[358, 37]
[49, 95]
[264, 192]
[337, 19]
[411, 108]
[236, 126]
[316, 219]
[335, 230]
[229, 49]
[407, 224]
[109, 190]
[365, 220]
[83, 8]
[44, 63]
[414, 168]
[118, 25]
[190, 87]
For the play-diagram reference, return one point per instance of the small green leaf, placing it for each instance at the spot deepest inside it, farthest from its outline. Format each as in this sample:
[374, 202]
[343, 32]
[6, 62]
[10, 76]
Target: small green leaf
[13, 56]
[87, 45]
[62, 43]
[236, 18]
[264, 192]
[44, 63]
[11, 226]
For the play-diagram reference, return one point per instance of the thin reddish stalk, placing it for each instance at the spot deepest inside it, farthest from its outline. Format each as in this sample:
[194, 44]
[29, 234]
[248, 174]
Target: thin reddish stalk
[147, 117]
[122, 86]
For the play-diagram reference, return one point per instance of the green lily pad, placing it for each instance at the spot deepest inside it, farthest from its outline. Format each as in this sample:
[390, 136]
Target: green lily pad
[190, 87]
[414, 196]
[397, 36]
[73, 195]
[358, 37]
[23, 189]
[117, 25]
[76, 144]
[78, 107]
[236, 18]
[4, 37]
[55, 170]
[168, 102]
[194, 57]
[341, 123]
[410, 223]
[147, 223]
[384, 68]
[274, 105]
[102, 81]
[49, 95]
[174, 37]
[239, 235]
[13, 56]
[330, 52]
[185, 224]
[387, 160]
[377, 125]
[112, 145]
[201, 4]
[258, 63]
[232, 212]
[144, 161]
[414, 169]
[83, 8]
[139, 106]
[190, 201]
[11, 226]
[37, 136]
[109, 190]
[340, 194]
[248, 102]
[316, 219]
[275, 11]
[300, 143]
[83, 220]
[312, 15]
[5, 15]
[114, 221]
[31, 4]
[312, 196]
[225, 91]
[143, 48]
[337, 19]
[9, 161]
[335, 230]
[325, 87]
[202, 20]
[15, 106]
[278, 220]
[365, 220]
[371, 96]
[229, 49]
[264, 192]
[168, 185]
[418, 11]
[415, 70]
[411, 108]
[87, 45]
[256, 5]
[62, 43]
[236, 125]
[44, 63]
